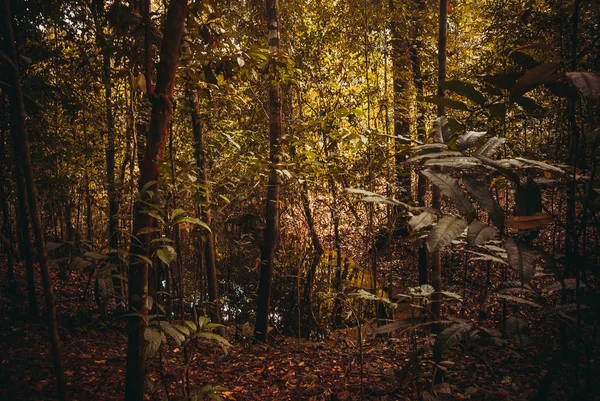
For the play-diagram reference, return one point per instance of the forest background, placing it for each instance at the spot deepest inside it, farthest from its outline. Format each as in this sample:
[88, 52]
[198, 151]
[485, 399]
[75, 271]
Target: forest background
[300, 199]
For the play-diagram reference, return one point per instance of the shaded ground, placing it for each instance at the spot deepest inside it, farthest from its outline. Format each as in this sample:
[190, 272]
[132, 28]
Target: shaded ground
[393, 369]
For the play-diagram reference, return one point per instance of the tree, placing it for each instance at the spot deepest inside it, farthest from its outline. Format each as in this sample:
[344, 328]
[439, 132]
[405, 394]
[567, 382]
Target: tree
[23, 159]
[162, 108]
[271, 233]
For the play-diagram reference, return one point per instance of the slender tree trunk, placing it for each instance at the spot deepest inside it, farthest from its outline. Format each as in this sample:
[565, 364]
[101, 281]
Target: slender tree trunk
[271, 233]
[208, 245]
[306, 315]
[23, 159]
[6, 228]
[415, 57]
[162, 107]
[435, 258]
[401, 113]
[113, 202]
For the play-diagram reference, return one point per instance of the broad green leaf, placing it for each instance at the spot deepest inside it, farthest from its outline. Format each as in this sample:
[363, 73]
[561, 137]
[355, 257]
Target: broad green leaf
[94, 255]
[465, 89]
[213, 337]
[444, 101]
[449, 338]
[166, 254]
[587, 83]
[462, 162]
[484, 198]
[486, 257]
[503, 81]
[535, 77]
[424, 290]
[153, 341]
[142, 258]
[193, 326]
[421, 221]
[521, 258]
[444, 232]
[176, 213]
[450, 188]
[191, 220]
[489, 148]
[433, 155]
[540, 165]
[202, 322]
[479, 233]
[441, 130]
[172, 331]
[512, 298]
[469, 138]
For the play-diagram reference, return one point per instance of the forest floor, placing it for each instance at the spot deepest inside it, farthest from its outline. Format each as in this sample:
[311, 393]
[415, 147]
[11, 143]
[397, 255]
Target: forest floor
[94, 352]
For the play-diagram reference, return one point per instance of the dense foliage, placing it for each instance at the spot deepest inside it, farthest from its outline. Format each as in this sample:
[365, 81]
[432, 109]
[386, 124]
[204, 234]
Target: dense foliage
[331, 168]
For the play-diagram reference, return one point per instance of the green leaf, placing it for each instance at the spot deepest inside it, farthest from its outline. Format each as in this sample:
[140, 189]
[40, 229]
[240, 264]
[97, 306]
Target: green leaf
[484, 198]
[203, 321]
[450, 188]
[479, 233]
[489, 148]
[94, 255]
[444, 101]
[193, 326]
[177, 212]
[587, 83]
[142, 258]
[512, 298]
[503, 81]
[441, 130]
[172, 331]
[444, 232]
[166, 254]
[462, 162]
[465, 89]
[421, 221]
[449, 338]
[469, 138]
[535, 77]
[213, 337]
[521, 258]
[433, 155]
[486, 257]
[153, 341]
[191, 220]
[424, 290]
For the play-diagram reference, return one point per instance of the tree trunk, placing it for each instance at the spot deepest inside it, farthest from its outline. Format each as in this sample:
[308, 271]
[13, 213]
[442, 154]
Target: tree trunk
[113, 202]
[401, 112]
[306, 313]
[271, 233]
[415, 57]
[436, 265]
[23, 160]
[6, 228]
[162, 107]
[208, 245]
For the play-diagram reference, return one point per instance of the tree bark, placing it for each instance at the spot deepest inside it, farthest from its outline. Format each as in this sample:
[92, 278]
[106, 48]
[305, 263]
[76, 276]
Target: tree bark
[436, 266]
[113, 201]
[401, 113]
[162, 107]
[415, 57]
[271, 233]
[306, 313]
[23, 159]
[208, 244]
